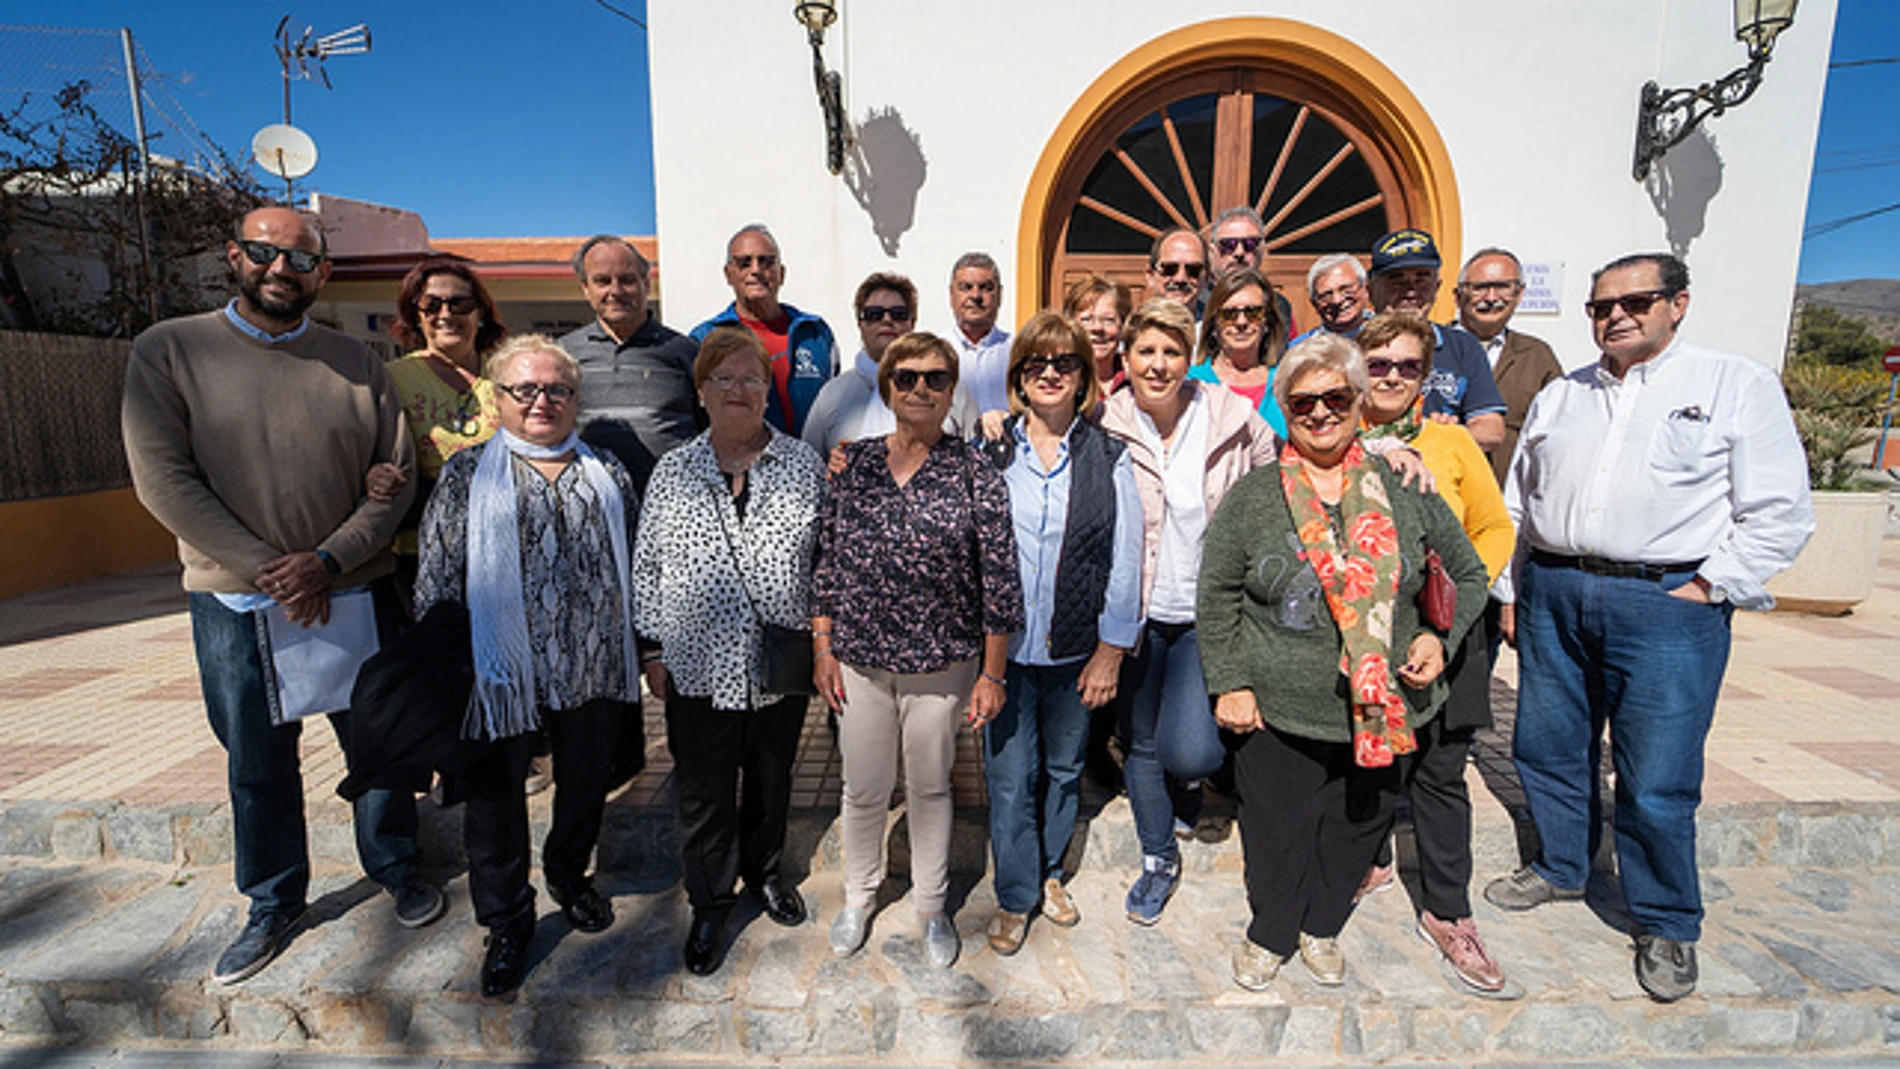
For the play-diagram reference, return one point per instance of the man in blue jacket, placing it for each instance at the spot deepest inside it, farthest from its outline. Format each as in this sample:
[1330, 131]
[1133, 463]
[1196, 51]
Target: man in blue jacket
[804, 354]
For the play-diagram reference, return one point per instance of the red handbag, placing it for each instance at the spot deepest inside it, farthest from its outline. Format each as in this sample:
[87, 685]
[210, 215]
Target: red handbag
[1438, 601]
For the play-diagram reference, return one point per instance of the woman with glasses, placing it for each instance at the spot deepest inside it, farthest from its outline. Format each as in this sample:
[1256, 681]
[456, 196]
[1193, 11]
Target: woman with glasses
[1313, 644]
[724, 549]
[1077, 517]
[1188, 443]
[1398, 350]
[849, 407]
[1243, 337]
[913, 600]
[532, 533]
[1101, 305]
[446, 316]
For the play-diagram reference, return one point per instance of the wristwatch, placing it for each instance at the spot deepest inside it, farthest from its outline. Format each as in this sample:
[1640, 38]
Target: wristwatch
[329, 563]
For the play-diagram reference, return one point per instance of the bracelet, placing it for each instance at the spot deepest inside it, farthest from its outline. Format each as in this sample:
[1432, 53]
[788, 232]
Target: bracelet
[820, 634]
[991, 678]
[826, 652]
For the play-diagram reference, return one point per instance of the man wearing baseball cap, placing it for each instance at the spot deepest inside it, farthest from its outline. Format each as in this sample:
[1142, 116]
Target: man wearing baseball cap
[1460, 384]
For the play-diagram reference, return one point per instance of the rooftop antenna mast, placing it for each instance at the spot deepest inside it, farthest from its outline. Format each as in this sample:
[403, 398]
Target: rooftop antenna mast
[299, 54]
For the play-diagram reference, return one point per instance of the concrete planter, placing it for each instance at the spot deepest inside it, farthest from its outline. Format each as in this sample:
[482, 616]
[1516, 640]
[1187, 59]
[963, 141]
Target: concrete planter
[1836, 570]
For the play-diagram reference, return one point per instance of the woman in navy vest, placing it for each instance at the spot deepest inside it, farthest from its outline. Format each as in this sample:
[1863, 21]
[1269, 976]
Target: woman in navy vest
[1077, 518]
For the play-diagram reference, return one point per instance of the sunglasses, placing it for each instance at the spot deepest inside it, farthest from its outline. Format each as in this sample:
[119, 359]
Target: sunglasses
[1379, 367]
[1168, 269]
[937, 380]
[1064, 363]
[524, 393]
[264, 254]
[766, 260]
[1228, 246]
[430, 304]
[1633, 304]
[896, 313]
[1234, 313]
[1339, 400]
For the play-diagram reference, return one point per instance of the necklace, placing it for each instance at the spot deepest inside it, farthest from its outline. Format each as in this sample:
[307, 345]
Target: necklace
[742, 459]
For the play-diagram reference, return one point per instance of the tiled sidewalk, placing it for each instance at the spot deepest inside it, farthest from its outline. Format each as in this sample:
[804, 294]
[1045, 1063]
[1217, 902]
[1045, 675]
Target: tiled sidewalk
[99, 702]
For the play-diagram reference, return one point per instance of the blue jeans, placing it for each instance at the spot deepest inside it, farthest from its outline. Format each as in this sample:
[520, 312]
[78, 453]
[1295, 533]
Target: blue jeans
[1594, 650]
[265, 773]
[1171, 730]
[1032, 757]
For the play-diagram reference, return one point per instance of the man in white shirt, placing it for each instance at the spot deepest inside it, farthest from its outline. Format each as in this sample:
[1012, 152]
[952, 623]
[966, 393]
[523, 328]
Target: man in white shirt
[976, 295]
[1654, 491]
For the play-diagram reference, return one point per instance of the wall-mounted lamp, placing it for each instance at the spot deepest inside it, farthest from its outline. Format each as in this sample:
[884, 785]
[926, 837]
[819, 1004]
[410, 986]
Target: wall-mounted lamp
[816, 16]
[1666, 116]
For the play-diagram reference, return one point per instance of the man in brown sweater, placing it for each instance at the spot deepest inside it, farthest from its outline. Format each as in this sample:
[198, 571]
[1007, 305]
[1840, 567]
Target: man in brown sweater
[1488, 291]
[249, 431]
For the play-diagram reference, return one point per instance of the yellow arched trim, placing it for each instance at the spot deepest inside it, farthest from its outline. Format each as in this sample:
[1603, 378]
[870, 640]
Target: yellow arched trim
[1280, 42]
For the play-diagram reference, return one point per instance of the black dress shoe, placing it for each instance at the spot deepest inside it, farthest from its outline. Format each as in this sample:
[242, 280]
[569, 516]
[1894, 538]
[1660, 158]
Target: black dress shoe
[585, 909]
[702, 946]
[506, 959]
[783, 904]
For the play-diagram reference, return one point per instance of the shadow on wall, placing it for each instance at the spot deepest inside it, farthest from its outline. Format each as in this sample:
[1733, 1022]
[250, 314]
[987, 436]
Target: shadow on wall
[884, 171]
[1682, 184]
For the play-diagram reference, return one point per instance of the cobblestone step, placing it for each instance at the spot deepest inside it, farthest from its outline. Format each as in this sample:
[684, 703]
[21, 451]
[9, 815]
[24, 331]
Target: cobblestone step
[1794, 961]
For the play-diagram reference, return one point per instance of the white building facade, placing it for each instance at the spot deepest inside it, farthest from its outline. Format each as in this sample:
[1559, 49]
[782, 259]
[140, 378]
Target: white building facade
[1060, 137]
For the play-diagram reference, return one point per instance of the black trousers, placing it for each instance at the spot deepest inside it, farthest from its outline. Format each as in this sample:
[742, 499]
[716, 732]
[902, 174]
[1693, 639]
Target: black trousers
[726, 830]
[495, 820]
[1310, 824]
[1441, 817]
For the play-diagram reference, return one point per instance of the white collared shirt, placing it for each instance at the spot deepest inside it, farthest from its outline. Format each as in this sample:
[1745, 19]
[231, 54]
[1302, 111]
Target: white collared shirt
[983, 369]
[1691, 456]
[1184, 519]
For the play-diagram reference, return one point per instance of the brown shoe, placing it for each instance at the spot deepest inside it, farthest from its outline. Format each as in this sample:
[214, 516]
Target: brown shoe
[1007, 931]
[1458, 941]
[1378, 878]
[540, 774]
[1057, 906]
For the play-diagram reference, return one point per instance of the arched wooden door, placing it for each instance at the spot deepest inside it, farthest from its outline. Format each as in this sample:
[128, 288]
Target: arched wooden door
[1307, 157]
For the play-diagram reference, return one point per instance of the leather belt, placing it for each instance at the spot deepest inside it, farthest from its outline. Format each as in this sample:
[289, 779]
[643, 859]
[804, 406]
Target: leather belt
[1615, 569]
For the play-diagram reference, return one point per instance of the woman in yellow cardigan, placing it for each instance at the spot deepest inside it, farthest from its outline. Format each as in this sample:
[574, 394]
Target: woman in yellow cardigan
[1398, 352]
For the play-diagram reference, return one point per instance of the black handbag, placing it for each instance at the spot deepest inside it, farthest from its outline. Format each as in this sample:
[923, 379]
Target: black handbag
[785, 654]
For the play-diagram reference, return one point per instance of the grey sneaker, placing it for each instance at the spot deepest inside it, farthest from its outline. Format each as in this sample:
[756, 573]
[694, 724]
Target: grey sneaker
[418, 902]
[941, 943]
[848, 929]
[1665, 967]
[1525, 889]
[263, 938]
[1255, 966]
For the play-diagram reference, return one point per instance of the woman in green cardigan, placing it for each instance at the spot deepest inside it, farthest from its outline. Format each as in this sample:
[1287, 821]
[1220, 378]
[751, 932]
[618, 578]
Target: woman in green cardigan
[1313, 645]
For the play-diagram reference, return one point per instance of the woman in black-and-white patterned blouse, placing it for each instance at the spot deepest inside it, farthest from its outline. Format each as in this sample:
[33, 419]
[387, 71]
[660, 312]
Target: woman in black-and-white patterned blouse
[728, 528]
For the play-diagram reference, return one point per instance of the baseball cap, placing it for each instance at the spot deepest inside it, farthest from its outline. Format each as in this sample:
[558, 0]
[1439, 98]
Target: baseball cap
[1404, 248]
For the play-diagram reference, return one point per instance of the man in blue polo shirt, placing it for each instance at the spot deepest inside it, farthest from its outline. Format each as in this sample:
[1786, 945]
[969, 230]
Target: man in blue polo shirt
[1405, 279]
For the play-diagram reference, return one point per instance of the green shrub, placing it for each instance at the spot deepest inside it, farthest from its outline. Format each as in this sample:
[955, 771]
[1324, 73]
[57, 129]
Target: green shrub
[1835, 412]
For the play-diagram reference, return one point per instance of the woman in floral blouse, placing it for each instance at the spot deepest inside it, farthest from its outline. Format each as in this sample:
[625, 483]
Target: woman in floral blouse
[914, 596]
[726, 542]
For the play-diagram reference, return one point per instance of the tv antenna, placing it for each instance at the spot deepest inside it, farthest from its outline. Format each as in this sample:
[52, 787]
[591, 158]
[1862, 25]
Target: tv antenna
[298, 55]
[286, 152]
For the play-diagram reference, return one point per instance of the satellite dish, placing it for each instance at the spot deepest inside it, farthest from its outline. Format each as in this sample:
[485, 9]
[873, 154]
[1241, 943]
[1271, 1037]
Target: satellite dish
[284, 151]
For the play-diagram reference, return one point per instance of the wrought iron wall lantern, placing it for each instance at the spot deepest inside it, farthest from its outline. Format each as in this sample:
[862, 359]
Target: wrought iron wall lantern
[1666, 116]
[816, 16]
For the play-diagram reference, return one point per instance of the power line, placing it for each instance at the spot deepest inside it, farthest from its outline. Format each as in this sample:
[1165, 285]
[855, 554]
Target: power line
[622, 14]
[1832, 225]
[1862, 62]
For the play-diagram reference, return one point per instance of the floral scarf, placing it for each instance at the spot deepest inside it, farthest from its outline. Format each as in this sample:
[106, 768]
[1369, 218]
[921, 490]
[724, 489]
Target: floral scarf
[1361, 582]
[1405, 428]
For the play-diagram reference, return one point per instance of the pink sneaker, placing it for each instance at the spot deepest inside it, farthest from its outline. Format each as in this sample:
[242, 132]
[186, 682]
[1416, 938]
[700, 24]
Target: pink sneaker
[1378, 878]
[1458, 941]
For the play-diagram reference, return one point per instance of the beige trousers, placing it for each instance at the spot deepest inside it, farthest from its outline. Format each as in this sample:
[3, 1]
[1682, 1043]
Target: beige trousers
[922, 713]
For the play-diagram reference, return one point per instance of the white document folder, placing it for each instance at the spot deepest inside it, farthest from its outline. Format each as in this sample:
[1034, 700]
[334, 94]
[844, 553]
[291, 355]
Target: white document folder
[314, 668]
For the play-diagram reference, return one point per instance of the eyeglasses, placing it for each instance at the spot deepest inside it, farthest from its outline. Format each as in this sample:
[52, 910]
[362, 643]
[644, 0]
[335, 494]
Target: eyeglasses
[1234, 313]
[264, 254]
[905, 379]
[1339, 400]
[524, 393]
[1228, 246]
[740, 382]
[1633, 304]
[896, 313]
[1064, 363]
[766, 260]
[1339, 294]
[1379, 367]
[1168, 269]
[430, 304]
[1492, 289]
[1104, 322]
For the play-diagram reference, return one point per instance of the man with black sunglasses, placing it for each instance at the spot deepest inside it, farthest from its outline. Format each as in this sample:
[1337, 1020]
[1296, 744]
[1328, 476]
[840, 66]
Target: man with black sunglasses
[638, 400]
[1405, 279]
[1177, 270]
[800, 344]
[1240, 242]
[1654, 491]
[249, 432]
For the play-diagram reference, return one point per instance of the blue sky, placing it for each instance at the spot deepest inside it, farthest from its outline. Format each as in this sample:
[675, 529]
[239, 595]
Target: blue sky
[497, 119]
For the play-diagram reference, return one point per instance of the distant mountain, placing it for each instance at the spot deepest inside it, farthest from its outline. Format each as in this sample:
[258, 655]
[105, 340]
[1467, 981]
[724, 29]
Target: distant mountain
[1874, 301]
